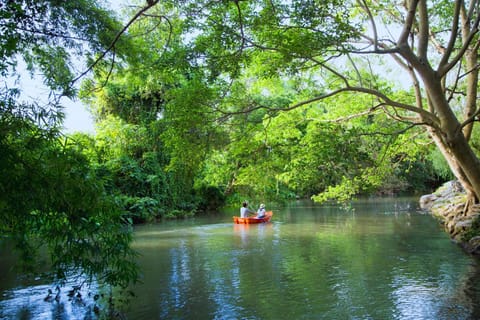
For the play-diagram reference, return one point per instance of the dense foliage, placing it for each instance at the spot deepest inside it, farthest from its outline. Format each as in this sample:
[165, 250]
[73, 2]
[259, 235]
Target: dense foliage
[217, 122]
[327, 49]
[53, 199]
[199, 103]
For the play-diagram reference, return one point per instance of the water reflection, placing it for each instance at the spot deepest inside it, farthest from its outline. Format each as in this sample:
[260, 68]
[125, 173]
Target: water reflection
[45, 301]
[381, 260]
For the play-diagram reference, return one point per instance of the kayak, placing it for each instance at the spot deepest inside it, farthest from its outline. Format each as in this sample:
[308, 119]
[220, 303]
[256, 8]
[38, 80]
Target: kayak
[252, 220]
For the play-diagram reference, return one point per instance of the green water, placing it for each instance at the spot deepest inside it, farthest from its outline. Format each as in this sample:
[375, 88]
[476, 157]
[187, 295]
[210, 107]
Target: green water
[381, 260]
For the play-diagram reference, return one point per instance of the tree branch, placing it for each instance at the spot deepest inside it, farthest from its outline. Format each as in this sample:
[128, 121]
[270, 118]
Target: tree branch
[423, 31]
[372, 22]
[425, 116]
[407, 26]
[453, 34]
[470, 119]
[112, 44]
[240, 21]
[444, 69]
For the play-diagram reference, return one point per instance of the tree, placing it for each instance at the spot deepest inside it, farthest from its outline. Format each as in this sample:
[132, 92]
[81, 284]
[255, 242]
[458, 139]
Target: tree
[303, 152]
[166, 100]
[340, 46]
[52, 197]
[443, 81]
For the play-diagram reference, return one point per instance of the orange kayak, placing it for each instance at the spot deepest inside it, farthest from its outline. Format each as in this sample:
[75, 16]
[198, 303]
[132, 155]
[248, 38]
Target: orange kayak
[252, 220]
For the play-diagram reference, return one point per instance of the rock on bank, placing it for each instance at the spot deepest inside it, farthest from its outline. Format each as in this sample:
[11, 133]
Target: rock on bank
[448, 204]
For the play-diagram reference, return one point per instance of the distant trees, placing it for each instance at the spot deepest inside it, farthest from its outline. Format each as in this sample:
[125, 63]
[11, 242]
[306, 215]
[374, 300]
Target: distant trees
[335, 47]
[219, 81]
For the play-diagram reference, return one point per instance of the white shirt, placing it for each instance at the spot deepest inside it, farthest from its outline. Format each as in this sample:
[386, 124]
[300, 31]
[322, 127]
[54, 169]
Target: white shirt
[244, 212]
[261, 213]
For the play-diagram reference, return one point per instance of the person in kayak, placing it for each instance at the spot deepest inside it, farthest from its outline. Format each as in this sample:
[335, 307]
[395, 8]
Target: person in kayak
[244, 211]
[261, 211]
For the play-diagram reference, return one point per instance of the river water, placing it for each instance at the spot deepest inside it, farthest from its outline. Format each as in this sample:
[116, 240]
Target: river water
[381, 259]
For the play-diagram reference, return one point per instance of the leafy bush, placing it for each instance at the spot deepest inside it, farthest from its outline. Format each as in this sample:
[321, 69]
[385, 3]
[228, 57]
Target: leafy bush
[210, 198]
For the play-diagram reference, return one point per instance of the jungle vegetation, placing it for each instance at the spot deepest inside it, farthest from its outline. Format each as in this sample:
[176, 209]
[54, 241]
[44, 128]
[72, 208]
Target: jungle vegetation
[198, 104]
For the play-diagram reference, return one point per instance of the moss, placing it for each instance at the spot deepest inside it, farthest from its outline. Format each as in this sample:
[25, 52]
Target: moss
[473, 231]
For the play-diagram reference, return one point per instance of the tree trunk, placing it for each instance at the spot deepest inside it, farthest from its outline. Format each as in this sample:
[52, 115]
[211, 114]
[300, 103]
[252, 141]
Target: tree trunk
[471, 61]
[468, 161]
[450, 139]
[452, 163]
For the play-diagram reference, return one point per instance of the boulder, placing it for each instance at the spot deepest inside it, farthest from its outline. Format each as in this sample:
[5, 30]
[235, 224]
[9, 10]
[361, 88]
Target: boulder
[427, 201]
[473, 245]
[448, 205]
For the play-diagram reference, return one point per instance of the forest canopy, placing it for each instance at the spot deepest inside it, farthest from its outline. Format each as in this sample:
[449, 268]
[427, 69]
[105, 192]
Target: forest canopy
[251, 93]
[198, 104]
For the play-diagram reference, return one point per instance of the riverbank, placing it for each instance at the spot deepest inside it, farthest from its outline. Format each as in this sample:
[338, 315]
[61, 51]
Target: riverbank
[448, 204]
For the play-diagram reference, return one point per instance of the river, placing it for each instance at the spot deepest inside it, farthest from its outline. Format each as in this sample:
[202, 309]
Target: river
[380, 259]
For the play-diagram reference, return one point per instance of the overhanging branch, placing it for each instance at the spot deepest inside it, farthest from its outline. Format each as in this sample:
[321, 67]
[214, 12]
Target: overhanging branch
[426, 117]
[112, 44]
